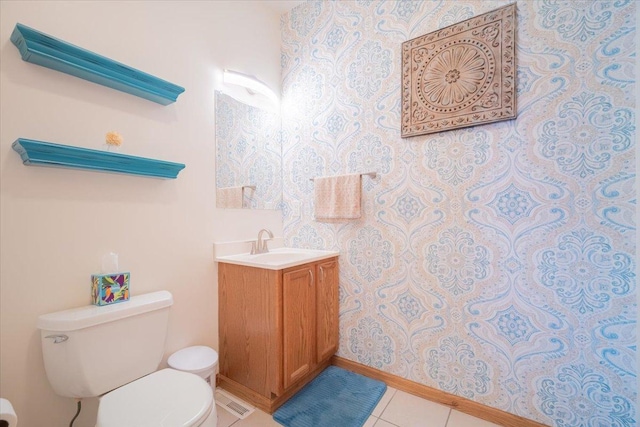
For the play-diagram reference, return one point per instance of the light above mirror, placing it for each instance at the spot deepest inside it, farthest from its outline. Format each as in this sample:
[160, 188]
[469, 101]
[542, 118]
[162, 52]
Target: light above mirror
[252, 84]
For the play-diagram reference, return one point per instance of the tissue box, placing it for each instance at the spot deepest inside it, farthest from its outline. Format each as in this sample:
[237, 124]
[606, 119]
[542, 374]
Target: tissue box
[109, 288]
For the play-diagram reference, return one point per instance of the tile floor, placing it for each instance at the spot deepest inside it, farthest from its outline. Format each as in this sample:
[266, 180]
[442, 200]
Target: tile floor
[395, 409]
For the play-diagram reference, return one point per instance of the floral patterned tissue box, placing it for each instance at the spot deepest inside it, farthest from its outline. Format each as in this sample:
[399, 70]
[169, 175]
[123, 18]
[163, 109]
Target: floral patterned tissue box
[109, 288]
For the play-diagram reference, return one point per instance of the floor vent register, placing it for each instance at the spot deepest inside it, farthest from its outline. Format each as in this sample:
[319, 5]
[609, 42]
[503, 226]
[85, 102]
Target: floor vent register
[235, 406]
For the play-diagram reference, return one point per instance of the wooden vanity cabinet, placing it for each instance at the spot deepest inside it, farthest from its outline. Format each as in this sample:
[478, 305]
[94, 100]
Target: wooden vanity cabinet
[278, 328]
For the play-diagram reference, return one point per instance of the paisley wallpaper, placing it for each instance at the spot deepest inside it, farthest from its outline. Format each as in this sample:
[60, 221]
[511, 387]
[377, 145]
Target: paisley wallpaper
[495, 262]
[248, 152]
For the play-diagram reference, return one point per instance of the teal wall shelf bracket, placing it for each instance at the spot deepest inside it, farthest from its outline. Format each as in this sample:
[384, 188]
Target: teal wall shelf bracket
[40, 153]
[42, 49]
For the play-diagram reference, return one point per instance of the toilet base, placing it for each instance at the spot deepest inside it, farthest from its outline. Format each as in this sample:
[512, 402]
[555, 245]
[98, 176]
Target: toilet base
[212, 419]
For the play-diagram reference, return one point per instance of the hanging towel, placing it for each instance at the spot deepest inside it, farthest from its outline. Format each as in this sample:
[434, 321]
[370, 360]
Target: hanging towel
[248, 199]
[338, 197]
[230, 197]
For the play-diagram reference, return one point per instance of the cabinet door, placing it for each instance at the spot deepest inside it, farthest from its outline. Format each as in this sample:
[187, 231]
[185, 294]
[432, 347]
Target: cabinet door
[327, 306]
[248, 326]
[298, 322]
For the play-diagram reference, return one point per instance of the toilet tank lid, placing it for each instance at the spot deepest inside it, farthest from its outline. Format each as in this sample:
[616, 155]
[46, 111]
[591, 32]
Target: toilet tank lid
[91, 315]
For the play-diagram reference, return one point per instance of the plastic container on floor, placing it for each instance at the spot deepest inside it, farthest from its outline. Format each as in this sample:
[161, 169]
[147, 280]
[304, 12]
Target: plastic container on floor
[200, 360]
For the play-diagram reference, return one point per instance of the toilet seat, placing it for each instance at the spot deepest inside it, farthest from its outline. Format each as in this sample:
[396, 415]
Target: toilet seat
[166, 398]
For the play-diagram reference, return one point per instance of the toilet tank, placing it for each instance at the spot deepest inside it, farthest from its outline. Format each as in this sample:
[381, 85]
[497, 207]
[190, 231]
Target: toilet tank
[91, 350]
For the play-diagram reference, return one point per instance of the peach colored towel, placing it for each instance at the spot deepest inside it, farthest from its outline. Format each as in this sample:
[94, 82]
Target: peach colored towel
[338, 197]
[230, 197]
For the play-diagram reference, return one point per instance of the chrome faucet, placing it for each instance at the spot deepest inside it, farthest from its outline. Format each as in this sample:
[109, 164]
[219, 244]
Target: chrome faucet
[260, 247]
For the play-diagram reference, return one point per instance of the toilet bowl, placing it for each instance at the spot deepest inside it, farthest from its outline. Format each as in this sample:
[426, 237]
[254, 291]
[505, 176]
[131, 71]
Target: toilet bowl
[166, 398]
[113, 353]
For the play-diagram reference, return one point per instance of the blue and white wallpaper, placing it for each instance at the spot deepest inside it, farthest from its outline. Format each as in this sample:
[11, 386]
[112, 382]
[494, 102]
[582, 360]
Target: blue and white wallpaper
[495, 262]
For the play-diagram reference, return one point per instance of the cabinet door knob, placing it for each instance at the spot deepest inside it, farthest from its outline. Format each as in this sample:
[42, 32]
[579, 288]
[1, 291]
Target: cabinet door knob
[311, 273]
[321, 272]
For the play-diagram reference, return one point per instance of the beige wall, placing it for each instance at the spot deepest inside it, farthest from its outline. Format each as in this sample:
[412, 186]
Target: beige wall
[57, 223]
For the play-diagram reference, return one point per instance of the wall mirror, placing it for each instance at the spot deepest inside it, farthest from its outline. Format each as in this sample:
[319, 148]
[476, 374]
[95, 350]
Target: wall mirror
[248, 155]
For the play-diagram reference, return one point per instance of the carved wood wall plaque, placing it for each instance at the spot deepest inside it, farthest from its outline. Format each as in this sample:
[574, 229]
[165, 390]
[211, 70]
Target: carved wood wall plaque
[461, 75]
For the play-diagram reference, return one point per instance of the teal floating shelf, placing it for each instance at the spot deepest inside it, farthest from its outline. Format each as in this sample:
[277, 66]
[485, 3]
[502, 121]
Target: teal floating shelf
[42, 49]
[40, 153]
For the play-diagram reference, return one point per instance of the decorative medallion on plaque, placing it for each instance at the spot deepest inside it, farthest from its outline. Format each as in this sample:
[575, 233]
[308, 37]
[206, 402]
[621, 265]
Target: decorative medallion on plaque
[461, 75]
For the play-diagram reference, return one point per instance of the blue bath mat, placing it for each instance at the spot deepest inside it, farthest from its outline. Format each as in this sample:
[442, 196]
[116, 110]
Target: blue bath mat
[334, 398]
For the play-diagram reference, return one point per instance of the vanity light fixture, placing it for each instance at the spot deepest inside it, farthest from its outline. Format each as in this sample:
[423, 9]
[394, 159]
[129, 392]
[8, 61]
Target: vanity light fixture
[252, 84]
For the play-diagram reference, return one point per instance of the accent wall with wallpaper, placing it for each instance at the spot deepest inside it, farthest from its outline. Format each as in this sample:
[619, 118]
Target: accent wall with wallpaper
[494, 262]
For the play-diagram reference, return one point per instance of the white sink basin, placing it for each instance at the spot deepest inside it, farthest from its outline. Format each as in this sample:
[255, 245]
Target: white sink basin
[277, 259]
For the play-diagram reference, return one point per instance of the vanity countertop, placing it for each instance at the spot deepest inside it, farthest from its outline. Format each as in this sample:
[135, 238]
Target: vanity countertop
[278, 259]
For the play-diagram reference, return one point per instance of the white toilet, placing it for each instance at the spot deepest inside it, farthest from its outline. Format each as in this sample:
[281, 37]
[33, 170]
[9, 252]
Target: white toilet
[89, 351]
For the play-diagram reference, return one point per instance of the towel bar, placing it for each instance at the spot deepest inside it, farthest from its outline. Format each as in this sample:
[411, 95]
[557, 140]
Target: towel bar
[371, 174]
